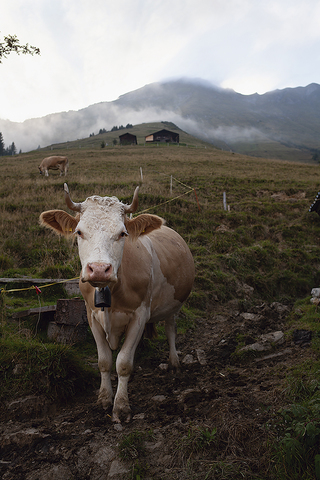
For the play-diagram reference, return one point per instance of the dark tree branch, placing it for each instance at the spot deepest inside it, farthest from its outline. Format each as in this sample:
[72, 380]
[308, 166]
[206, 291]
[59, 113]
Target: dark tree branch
[11, 44]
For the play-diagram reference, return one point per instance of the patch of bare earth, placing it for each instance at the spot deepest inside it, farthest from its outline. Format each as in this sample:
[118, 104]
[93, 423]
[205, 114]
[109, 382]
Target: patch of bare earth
[237, 395]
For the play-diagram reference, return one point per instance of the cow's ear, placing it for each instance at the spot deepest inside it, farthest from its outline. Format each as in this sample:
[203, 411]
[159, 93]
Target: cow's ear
[143, 224]
[59, 221]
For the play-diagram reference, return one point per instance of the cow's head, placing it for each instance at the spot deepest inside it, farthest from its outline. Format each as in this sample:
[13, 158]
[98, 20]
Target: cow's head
[101, 226]
[40, 169]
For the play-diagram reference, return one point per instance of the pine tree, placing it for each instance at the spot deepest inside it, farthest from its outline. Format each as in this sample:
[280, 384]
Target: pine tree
[1, 145]
[13, 150]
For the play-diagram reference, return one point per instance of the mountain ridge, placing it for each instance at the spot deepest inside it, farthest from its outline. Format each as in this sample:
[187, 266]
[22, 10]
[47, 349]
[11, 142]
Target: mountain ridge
[280, 124]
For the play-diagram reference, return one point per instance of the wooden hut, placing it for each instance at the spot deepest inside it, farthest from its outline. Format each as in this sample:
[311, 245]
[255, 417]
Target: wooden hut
[163, 136]
[128, 139]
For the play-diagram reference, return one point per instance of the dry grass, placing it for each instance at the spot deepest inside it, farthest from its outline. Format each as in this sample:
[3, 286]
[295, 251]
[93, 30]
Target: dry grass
[112, 168]
[249, 184]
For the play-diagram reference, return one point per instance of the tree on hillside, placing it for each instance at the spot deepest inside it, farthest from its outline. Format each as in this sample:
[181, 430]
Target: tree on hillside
[1, 145]
[12, 149]
[11, 44]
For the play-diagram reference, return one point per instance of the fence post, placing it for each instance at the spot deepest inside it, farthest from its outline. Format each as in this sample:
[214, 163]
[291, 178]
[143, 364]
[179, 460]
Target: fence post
[224, 201]
[171, 185]
[141, 174]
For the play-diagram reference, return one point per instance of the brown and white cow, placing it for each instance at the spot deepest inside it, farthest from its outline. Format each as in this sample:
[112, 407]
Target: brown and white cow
[54, 163]
[148, 268]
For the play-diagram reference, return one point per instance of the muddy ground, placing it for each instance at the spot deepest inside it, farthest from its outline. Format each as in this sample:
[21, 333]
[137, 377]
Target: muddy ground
[175, 414]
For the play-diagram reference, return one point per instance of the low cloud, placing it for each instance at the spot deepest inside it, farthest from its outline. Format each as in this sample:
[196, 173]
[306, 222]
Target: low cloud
[73, 125]
[236, 134]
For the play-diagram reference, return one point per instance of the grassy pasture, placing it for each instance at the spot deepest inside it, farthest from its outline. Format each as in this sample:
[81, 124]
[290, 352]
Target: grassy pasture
[267, 240]
[271, 148]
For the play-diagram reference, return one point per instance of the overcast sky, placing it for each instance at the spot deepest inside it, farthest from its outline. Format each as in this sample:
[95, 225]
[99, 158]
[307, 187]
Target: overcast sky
[96, 50]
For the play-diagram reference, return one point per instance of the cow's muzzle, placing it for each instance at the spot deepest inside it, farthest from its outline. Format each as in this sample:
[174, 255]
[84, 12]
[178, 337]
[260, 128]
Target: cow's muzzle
[98, 274]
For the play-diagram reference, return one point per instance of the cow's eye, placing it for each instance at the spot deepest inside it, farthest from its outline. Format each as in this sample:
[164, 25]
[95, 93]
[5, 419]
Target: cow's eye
[123, 234]
[79, 233]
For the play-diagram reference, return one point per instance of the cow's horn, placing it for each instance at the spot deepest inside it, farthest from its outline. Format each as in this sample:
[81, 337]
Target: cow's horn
[134, 205]
[73, 206]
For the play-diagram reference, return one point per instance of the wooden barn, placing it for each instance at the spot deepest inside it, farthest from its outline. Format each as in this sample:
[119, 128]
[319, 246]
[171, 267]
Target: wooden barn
[128, 139]
[163, 136]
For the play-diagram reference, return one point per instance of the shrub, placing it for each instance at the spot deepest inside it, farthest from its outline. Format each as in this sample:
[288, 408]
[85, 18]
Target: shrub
[299, 431]
[5, 262]
[47, 369]
[132, 445]
[57, 271]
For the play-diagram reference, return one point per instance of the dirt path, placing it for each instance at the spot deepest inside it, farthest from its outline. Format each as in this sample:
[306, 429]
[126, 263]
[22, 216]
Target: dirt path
[174, 414]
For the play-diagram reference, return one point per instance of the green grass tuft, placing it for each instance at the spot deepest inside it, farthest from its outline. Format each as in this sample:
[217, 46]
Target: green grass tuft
[28, 366]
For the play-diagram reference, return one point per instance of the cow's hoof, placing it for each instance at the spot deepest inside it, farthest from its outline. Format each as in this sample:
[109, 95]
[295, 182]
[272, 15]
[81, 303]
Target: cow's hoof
[104, 402]
[175, 368]
[115, 418]
[121, 415]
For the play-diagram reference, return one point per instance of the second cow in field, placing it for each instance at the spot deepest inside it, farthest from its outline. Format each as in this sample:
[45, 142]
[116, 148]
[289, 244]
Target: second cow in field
[149, 270]
[54, 163]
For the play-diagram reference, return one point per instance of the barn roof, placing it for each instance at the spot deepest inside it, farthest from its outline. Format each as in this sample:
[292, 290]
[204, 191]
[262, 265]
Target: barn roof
[127, 135]
[164, 131]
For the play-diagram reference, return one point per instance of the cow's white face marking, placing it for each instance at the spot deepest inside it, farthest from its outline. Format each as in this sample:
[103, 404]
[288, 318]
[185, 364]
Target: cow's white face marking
[101, 234]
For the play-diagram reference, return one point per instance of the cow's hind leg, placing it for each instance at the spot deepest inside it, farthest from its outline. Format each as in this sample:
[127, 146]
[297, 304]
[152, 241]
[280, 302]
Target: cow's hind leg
[105, 363]
[170, 329]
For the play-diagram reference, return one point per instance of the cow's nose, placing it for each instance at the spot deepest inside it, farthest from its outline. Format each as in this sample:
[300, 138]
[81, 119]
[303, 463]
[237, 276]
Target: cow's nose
[99, 272]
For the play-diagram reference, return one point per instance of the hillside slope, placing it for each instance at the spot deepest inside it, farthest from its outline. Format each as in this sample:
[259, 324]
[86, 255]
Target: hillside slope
[282, 124]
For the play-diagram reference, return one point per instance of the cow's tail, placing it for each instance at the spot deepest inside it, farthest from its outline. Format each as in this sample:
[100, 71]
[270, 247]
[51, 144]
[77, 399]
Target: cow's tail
[150, 331]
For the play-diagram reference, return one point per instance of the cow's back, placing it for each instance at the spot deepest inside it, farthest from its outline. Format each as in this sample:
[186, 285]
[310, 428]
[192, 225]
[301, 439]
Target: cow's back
[176, 261]
[160, 263]
[53, 160]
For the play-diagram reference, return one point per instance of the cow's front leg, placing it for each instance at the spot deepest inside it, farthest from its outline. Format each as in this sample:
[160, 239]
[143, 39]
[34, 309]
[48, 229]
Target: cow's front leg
[105, 363]
[124, 366]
